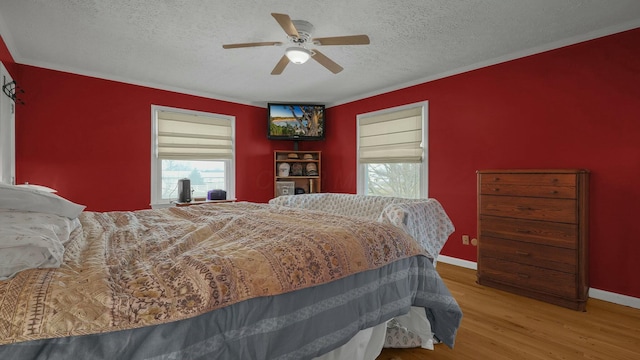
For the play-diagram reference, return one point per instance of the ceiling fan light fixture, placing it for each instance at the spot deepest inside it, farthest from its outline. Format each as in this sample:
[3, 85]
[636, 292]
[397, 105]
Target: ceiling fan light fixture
[298, 55]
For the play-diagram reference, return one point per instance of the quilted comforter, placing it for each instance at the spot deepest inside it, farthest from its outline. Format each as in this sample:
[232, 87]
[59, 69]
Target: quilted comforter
[126, 270]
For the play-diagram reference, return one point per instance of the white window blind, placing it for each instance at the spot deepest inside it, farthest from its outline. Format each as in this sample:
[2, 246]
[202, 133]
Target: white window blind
[193, 137]
[394, 137]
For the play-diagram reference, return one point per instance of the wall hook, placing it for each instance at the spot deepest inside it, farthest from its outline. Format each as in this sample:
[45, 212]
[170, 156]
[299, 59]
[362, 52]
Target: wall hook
[11, 89]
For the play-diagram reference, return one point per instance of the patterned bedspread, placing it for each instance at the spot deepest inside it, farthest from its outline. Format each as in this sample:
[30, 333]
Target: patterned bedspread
[126, 270]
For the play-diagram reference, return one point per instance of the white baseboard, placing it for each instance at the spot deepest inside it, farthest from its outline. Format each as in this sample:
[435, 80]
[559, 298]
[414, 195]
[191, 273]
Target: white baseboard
[615, 298]
[458, 262]
[593, 293]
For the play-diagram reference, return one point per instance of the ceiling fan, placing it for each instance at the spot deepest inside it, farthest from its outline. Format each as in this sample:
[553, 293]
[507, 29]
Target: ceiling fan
[299, 35]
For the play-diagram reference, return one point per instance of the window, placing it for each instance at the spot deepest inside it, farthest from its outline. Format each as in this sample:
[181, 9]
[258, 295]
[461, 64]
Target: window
[194, 145]
[391, 152]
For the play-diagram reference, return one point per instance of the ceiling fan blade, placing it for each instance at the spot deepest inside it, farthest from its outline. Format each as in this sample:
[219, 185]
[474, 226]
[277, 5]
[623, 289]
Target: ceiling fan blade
[326, 62]
[342, 40]
[287, 25]
[243, 45]
[284, 61]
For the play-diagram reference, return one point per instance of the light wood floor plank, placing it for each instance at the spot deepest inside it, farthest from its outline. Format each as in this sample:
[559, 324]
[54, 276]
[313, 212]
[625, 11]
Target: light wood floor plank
[501, 326]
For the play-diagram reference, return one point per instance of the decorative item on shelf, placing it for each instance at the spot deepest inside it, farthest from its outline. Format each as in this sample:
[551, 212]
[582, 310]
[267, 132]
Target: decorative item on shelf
[11, 89]
[308, 157]
[285, 188]
[312, 169]
[299, 191]
[311, 185]
[283, 169]
[293, 156]
[296, 169]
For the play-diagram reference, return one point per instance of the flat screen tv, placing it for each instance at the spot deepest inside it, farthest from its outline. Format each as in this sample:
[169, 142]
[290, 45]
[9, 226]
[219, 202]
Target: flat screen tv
[295, 121]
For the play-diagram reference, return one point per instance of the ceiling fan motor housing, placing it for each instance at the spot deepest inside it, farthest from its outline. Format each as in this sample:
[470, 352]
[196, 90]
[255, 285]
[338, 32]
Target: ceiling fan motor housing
[305, 29]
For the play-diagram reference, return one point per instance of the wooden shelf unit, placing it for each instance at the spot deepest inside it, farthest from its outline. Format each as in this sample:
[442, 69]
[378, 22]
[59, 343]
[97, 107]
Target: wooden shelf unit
[309, 183]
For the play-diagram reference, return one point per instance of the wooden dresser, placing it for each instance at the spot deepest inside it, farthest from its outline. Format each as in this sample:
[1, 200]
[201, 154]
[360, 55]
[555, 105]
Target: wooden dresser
[533, 234]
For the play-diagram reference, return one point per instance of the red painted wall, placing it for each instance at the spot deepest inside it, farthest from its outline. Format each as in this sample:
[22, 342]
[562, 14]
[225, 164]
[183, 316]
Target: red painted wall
[575, 107]
[91, 139]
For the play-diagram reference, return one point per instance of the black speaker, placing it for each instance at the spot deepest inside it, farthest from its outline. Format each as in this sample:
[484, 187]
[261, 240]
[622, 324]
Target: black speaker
[217, 195]
[184, 190]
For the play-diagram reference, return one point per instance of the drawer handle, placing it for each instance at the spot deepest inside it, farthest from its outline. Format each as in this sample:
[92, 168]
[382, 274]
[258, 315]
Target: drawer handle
[523, 231]
[524, 276]
[496, 179]
[523, 208]
[554, 192]
[523, 253]
[496, 189]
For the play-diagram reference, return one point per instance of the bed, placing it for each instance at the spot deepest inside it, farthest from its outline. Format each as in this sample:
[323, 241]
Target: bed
[225, 281]
[424, 219]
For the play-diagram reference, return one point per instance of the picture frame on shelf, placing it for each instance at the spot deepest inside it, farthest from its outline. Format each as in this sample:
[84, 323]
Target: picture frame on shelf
[285, 188]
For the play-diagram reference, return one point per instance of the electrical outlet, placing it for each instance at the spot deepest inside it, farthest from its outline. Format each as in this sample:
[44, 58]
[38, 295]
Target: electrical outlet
[465, 239]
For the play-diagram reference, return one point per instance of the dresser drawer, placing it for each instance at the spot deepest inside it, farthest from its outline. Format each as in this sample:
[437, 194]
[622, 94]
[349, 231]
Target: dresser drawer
[557, 192]
[529, 277]
[548, 257]
[539, 232]
[528, 179]
[557, 210]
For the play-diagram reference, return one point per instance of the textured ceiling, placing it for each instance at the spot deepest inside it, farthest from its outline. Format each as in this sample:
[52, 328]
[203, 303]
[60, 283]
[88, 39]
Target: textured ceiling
[177, 44]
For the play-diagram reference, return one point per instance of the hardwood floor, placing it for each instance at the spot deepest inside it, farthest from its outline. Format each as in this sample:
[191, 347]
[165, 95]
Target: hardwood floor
[498, 325]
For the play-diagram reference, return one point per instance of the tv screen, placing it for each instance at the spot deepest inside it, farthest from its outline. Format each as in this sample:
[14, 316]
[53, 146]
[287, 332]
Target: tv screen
[295, 121]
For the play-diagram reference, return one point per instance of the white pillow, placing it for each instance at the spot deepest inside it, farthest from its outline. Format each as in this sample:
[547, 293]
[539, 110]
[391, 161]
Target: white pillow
[28, 199]
[37, 187]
